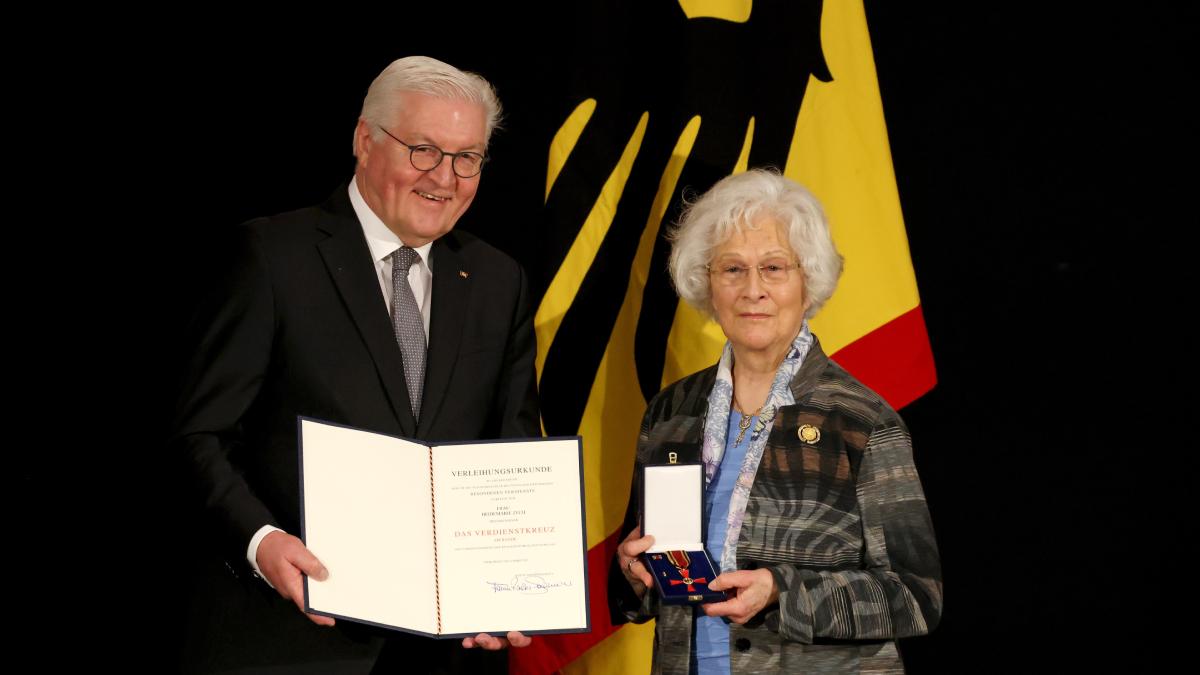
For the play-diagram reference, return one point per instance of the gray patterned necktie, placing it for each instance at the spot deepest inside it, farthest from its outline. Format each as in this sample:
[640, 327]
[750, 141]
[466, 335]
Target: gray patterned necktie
[409, 326]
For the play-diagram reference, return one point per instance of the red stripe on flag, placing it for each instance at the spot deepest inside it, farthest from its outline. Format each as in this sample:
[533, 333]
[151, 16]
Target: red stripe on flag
[895, 359]
[549, 653]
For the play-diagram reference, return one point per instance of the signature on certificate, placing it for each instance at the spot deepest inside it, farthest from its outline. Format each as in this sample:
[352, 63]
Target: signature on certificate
[529, 584]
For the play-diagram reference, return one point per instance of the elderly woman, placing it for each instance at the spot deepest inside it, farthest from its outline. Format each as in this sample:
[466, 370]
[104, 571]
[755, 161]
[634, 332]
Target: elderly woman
[813, 511]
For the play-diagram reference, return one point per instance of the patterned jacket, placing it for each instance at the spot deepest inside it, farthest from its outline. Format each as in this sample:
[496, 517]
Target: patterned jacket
[840, 522]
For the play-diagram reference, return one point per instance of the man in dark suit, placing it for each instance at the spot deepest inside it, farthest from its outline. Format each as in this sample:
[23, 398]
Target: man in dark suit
[369, 311]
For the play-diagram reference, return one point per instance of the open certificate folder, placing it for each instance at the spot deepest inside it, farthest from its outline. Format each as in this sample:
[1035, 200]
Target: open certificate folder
[447, 540]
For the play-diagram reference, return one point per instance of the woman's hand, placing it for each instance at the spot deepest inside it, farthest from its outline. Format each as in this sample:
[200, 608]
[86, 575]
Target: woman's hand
[627, 556]
[754, 590]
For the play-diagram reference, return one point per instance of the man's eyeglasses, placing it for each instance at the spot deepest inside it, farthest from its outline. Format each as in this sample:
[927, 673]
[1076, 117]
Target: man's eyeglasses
[466, 164]
[771, 272]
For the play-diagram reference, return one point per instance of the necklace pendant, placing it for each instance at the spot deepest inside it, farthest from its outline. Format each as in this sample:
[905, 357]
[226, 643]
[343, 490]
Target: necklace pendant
[743, 425]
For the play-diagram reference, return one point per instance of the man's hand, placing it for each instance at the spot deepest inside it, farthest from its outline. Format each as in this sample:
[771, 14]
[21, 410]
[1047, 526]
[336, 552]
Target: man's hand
[282, 559]
[492, 643]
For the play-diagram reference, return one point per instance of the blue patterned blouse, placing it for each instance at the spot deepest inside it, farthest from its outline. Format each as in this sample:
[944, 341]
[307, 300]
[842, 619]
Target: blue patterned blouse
[712, 633]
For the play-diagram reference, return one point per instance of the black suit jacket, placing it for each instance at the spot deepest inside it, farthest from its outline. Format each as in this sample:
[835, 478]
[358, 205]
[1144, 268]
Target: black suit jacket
[298, 326]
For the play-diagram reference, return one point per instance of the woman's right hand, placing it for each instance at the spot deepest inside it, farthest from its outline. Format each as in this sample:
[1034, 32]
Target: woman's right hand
[628, 556]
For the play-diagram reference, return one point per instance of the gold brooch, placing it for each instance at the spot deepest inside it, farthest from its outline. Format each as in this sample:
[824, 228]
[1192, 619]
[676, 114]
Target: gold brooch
[809, 434]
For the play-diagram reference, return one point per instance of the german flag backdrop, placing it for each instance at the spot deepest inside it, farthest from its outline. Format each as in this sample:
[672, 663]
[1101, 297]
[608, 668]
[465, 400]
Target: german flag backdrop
[1045, 154]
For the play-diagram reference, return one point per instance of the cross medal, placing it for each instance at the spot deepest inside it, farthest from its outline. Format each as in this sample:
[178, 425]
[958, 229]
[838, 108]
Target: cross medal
[682, 561]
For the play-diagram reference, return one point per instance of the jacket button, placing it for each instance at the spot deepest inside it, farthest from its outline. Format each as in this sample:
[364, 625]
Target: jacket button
[742, 645]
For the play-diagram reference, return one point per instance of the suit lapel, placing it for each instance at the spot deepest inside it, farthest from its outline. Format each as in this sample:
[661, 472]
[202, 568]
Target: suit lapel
[348, 260]
[451, 290]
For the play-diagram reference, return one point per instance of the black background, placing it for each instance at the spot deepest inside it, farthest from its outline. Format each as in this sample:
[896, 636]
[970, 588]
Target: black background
[1045, 163]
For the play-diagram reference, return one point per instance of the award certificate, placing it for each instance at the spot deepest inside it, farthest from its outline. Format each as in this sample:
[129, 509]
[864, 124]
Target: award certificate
[445, 540]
